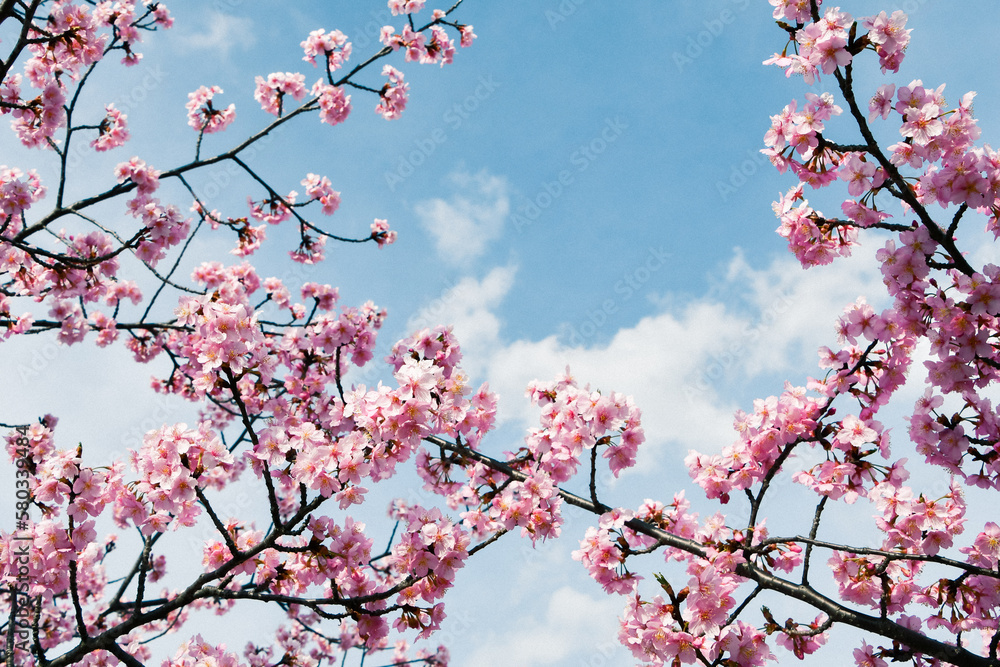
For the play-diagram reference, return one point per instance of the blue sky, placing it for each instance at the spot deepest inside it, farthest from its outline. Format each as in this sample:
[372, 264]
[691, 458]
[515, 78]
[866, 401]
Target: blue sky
[649, 263]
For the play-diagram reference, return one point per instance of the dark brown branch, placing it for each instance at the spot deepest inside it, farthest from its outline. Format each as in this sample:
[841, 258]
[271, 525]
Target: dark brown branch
[233, 549]
[123, 655]
[846, 84]
[127, 580]
[593, 475]
[836, 612]
[806, 559]
[967, 568]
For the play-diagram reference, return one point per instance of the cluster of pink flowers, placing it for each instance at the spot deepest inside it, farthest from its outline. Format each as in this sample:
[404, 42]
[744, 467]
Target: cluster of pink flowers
[532, 504]
[382, 234]
[92, 275]
[811, 237]
[651, 631]
[171, 464]
[439, 49]
[202, 116]
[311, 250]
[406, 6]
[861, 215]
[120, 15]
[921, 111]
[822, 45]
[432, 357]
[58, 482]
[112, 131]
[106, 327]
[333, 46]
[73, 325]
[334, 104]
[227, 334]
[165, 225]
[36, 121]
[297, 638]
[957, 317]
[224, 334]
[467, 36]
[873, 377]
[432, 548]
[73, 42]
[793, 132]
[575, 418]
[412, 42]
[966, 174]
[604, 559]
[319, 188]
[860, 175]
[54, 546]
[985, 550]
[905, 270]
[889, 36]
[17, 193]
[145, 178]
[331, 467]
[249, 238]
[393, 95]
[696, 619]
[775, 423]
[918, 525]
[270, 92]
[273, 210]
[793, 10]
[197, 651]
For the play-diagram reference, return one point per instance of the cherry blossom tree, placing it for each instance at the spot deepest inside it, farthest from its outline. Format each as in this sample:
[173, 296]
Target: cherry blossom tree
[271, 373]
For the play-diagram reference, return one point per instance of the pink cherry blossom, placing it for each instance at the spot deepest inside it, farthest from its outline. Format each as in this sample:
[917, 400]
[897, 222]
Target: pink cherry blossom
[202, 116]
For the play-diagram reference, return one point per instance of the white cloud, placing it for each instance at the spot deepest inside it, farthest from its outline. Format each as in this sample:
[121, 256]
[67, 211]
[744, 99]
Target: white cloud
[681, 364]
[469, 307]
[795, 310]
[574, 624]
[225, 31]
[464, 225]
